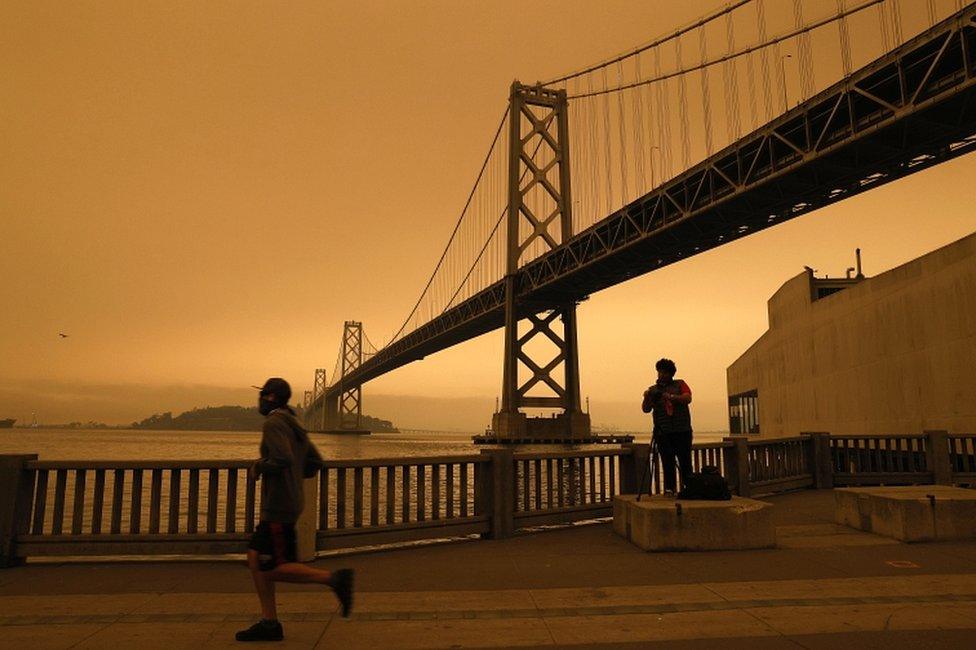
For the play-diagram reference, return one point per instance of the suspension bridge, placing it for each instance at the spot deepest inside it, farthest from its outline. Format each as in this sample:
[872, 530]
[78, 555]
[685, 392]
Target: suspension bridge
[754, 114]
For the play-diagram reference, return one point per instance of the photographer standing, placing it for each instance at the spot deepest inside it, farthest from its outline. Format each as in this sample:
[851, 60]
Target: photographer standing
[669, 399]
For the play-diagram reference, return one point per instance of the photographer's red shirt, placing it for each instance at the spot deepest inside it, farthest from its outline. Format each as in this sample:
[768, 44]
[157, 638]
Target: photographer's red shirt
[682, 390]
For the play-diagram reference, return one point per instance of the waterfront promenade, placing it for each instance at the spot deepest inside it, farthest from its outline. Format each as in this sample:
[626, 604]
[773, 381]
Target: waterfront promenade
[825, 587]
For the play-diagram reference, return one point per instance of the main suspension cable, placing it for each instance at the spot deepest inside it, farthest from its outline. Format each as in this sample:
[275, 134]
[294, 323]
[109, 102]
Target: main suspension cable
[457, 226]
[664, 39]
[742, 52]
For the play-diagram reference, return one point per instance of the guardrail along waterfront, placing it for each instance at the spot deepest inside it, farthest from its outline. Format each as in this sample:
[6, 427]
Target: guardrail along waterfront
[110, 508]
[368, 502]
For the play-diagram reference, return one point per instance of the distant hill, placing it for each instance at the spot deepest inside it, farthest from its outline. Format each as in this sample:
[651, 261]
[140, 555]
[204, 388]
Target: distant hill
[229, 418]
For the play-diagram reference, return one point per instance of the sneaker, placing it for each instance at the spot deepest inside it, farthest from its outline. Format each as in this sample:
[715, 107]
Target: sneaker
[342, 585]
[262, 631]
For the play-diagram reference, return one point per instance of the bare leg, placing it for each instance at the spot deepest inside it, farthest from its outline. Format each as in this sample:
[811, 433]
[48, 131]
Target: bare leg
[264, 585]
[296, 572]
[340, 581]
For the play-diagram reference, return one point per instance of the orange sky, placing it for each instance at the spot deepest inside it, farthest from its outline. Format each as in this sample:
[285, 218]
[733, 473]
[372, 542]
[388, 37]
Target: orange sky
[200, 194]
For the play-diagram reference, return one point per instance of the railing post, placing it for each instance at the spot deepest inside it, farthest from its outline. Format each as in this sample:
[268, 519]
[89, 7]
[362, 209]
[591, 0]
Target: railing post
[737, 465]
[937, 458]
[16, 497]
[482, 493]
[633, 466]
[495, 492]
[307, 524]
[821, 467]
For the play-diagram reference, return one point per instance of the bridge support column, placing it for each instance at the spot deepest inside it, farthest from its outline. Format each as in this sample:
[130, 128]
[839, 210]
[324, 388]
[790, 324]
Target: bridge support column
[330, 412]
[316, 404]
[539, 219]
[316, 420]
[349, 400]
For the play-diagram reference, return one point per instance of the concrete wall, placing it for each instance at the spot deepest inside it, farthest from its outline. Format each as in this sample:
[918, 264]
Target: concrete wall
[895, 353]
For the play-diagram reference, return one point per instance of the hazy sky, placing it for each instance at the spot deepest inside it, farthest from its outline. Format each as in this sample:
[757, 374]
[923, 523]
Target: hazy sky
[200, 193]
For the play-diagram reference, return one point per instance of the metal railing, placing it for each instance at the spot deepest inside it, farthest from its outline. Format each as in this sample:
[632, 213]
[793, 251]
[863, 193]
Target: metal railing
[147, 507]
[112, 508]
[377, 501]
[780, 464]
[962, 457]
[562, 487]
[873, 460]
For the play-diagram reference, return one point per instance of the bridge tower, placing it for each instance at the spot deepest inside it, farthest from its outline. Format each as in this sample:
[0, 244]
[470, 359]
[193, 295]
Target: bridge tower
[350, 406]
[539, 219]
[316, 421]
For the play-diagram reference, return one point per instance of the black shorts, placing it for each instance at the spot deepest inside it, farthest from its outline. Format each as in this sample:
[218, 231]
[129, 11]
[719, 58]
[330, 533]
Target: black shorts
[275, 543]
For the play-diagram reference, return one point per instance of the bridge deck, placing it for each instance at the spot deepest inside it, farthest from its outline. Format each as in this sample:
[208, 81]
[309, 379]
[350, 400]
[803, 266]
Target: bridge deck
[825, 587]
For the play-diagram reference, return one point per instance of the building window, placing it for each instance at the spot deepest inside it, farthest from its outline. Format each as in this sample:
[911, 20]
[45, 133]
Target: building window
[744, 412]
[823, 292]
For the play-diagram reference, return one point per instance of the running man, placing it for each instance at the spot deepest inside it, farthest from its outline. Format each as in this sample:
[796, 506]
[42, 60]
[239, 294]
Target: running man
[287, 457]
[669, 398]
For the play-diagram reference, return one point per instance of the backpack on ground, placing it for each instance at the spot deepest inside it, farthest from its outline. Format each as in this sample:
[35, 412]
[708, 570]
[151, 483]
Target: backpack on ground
[708, 485]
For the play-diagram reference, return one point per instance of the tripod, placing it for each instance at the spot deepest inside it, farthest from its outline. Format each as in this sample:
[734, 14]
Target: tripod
[652, 463]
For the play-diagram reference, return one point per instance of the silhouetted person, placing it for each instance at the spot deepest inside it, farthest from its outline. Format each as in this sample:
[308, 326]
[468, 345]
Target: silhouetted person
[669, 399]
[287, 457]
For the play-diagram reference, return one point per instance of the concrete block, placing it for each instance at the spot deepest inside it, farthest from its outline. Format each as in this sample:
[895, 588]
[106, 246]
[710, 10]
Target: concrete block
[659, 523]
[915, 513]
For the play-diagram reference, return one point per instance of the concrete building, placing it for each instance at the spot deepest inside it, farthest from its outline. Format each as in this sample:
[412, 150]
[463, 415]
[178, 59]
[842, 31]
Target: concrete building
[895, 353]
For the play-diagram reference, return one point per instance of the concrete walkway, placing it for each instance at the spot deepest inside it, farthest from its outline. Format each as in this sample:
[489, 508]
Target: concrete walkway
[825, 587]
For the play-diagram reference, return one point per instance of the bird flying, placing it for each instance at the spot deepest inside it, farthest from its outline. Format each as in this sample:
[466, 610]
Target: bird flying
[62, 335]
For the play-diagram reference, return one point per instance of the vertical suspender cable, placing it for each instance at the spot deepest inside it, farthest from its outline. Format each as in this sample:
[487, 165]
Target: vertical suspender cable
[798, 22]
[706, 101]
[652, 140]
[779, 72]
[931, 12]
[883, 27]
[683, 108]
[607, 149]
[576, 152]
[845, 39]
[580, 188]
[474, 284]
[653, 122]
[753, 102]
[594, 142]
[896, 22]
[664, 120]
[733, 126]
[622, 133]
[806, 62]
[764, 60]
[637, 98]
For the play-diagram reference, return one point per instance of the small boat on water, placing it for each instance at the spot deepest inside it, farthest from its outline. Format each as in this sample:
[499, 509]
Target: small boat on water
[7, 424]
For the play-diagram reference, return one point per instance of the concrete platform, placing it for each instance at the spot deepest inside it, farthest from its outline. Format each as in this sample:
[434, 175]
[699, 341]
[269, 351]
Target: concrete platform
[917, 513]
[658, 523]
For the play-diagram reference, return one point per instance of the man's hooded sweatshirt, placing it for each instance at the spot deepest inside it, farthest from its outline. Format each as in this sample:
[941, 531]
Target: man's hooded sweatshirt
[287, 457]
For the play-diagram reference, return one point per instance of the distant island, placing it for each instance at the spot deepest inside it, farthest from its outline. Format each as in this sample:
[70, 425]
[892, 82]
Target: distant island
[231, 418]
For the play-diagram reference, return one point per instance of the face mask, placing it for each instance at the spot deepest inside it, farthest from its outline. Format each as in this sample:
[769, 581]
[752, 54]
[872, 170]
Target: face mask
[265, 406]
